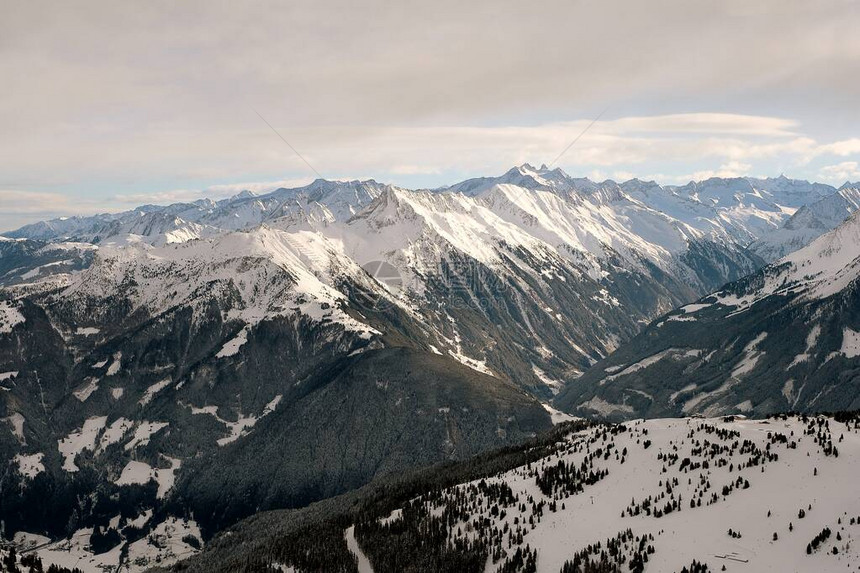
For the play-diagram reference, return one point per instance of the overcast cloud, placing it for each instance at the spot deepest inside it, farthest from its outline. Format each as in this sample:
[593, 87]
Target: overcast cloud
[109, 104]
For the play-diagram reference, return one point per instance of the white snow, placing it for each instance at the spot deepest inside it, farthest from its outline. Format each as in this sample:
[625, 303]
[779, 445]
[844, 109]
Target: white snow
[30, 465]
[115, 365]
[684, 390]
[750, 357]
[275, 273]
[10, 316]
[364, 565]
[745, 406]
[8, 375]
[555, 386]
[232, 346]
[850, 343]
[605, 408]
[80, 440]
[85, 391]
[473, 363]
[811, 341]
[87, 331]
[802, 478]
[16, 421]
[136, 472]
[673, 353]
[823, 268]
[143, 432]
[153, 390]
[162, 547]
[26, 540]
[242, 425]
[557, 416]
[788, 389]
[114, 433]
[691, 308]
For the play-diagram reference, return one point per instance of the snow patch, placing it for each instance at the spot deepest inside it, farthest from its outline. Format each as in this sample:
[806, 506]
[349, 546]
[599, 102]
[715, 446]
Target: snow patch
[555, 386]
[143, 432]
[750, 357]
[231, 347]
[10, 316]
[850, 343]
[114, 433]
[557, 416]
[136, 472]
[153, 390]
[605, 408]
[811, 341]
[673, 353]
[87, 331]
[242, 425]
[16, 420]
[115, 365]
[691, 308]
[30, 466]
[85, 391]
[80, 440]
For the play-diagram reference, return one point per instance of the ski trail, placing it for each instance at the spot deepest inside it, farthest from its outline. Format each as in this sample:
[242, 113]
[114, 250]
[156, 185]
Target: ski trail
[351, 544]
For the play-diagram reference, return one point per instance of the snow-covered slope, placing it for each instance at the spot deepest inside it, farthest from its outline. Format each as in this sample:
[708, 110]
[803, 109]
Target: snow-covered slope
[742, 208]
[660, 495]
[181, 222]
[681, 485]
[267, 273]
[509, 279]
[29, 263]
[808, 223]
[783, 338]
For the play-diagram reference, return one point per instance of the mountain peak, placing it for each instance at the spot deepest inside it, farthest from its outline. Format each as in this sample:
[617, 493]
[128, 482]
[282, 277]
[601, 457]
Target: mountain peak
[244, 194]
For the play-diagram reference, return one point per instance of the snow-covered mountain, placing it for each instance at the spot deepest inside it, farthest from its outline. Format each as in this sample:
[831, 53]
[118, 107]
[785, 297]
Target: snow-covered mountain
[24, 261]
[508, 272]
[784, 338]
[169, 356]
[742, 208]
[181, 222]
[661, 495]
[156, 371]
[808, 223]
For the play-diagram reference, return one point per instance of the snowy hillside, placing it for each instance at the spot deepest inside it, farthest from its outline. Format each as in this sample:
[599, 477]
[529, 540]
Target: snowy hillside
[808, 223]
[25, 263]
[783, 338]
[657, 495]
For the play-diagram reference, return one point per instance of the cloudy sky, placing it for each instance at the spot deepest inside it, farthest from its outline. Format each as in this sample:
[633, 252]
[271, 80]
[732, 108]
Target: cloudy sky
[107, 105]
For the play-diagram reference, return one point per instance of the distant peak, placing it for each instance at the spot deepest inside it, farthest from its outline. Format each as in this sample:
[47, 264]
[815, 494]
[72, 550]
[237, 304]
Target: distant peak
[244, 194]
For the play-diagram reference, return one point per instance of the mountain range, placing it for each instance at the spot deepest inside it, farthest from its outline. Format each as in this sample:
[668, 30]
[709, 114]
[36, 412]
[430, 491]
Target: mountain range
[784, 338]
[215, 359]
